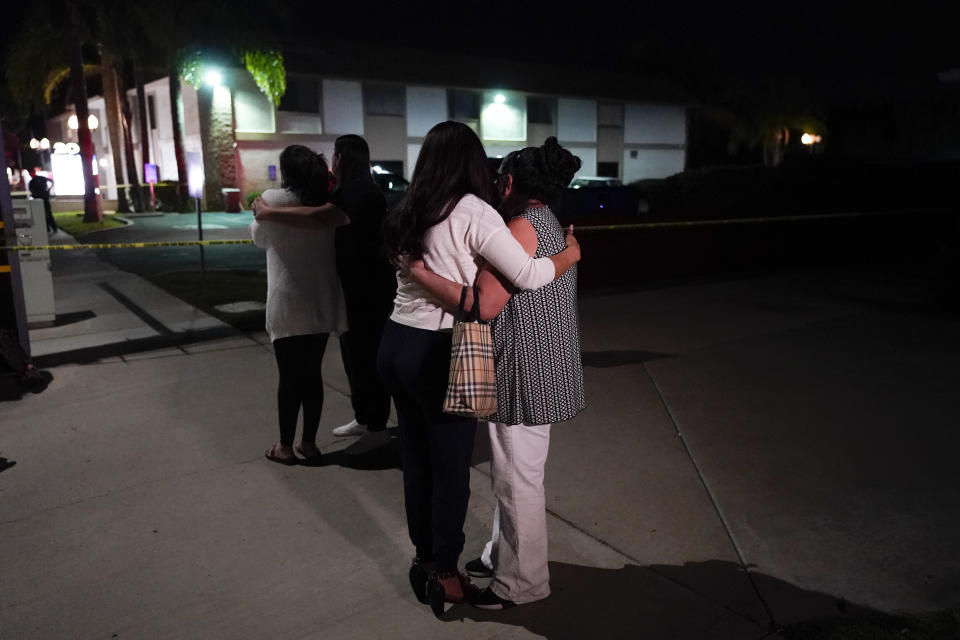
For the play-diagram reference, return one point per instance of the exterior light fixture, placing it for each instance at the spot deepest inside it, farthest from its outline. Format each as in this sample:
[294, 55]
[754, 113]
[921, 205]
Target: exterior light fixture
[809, 139]
[499, 98]
[213, 78]
[34, 143]
[73, 123]
[44, 143]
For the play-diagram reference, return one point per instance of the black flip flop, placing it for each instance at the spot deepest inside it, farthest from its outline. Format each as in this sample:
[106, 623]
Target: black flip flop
[310, 461]
[287, 461]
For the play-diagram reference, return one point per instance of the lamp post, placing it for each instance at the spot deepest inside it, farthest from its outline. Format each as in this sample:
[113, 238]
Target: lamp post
[195, 183]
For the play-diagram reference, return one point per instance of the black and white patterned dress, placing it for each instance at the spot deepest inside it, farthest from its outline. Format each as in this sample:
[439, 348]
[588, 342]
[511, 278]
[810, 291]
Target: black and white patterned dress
[536, 341]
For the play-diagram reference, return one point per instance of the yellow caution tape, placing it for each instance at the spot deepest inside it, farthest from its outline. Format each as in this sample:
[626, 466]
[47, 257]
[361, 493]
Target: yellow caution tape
[123, 245]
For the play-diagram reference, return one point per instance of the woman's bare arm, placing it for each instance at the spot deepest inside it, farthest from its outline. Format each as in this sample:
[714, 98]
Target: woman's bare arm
[327, 214]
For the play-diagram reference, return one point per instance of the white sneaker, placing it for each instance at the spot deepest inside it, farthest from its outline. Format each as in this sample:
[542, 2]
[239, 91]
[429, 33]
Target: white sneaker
[352, 428]
[370, 441]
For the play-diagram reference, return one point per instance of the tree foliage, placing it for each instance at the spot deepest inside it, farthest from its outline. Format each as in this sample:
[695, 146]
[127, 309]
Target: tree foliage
[268, 72]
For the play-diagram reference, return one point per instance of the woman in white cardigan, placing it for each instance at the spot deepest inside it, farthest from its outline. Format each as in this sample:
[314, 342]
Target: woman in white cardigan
[304, 300]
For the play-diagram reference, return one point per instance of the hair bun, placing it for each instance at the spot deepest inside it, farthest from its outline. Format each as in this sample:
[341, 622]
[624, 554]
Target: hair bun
[558, 163]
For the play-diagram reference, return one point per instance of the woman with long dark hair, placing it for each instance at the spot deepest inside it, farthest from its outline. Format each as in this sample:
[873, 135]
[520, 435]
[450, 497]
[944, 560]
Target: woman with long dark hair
[368, 284]
[536, 339]
[304, 300]
[446, 221]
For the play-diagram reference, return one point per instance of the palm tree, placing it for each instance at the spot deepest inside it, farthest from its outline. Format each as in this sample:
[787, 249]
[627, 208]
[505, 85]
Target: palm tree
[92, 208]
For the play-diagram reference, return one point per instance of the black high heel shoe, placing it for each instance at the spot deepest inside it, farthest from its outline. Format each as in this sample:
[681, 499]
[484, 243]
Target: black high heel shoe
[437, 595]
[418, 574]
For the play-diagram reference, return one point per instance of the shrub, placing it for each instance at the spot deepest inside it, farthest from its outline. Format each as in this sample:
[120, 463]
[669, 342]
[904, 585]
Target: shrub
[251, 196]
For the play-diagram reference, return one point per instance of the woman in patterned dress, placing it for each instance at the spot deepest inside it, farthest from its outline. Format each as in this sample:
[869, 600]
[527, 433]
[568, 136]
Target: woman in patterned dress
[445, 221]
[539, 373]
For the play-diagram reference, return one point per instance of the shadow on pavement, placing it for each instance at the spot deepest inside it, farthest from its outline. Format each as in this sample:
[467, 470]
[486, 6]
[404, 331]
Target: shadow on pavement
[93, 354]
[6, 464]
[640, 602]
[379, 459]
[607, 359]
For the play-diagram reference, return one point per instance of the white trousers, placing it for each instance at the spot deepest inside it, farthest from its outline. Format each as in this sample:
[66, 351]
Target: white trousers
[517, 551]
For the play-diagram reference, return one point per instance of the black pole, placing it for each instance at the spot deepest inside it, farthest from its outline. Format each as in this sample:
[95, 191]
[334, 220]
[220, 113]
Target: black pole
[203, 266]
[13, 316]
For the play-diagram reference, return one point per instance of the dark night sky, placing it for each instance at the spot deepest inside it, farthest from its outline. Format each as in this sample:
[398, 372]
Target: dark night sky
[840, 50]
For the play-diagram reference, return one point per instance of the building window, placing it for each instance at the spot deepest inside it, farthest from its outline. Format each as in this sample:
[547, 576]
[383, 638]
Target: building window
[610, 115]
[464, 105]
[152, 110]
[608, 169]
[383, 100]
[540, 110]
[303, 95]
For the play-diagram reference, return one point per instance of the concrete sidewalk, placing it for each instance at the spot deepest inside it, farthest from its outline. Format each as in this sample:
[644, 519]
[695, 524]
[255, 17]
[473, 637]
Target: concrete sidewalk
[801, 426]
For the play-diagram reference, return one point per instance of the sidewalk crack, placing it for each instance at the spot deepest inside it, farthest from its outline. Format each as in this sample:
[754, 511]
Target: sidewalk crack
[713, 500]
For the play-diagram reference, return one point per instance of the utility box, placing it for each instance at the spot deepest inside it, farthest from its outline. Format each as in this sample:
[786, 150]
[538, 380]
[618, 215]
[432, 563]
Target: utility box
[231, 200]
[31, 229]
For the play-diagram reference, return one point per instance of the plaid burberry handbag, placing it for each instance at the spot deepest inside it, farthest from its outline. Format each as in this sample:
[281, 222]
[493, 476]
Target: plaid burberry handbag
[472, 386]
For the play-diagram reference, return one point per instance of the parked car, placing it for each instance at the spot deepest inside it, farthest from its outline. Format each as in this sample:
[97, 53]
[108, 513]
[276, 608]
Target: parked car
[594, 182]
[394, 186]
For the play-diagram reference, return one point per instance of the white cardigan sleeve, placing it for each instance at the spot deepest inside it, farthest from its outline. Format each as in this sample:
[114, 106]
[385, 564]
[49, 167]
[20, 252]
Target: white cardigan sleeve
[260, 235]
[508, 257]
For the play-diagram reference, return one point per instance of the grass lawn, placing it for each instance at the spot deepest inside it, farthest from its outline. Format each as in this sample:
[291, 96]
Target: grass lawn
[207, 290]
[943, 625]
[72, 222]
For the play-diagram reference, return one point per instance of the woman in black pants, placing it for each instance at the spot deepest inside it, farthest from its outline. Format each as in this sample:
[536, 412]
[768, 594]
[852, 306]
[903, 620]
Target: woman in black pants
[446, 220]
[368, 281]
[304, 300]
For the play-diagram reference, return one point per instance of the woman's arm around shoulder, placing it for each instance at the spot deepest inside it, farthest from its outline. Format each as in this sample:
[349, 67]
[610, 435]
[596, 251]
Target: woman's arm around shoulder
[494, 289]
[328, 215]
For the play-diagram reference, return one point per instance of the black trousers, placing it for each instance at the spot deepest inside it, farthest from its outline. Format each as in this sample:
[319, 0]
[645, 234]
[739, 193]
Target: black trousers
[358, 348]
[436, 447]
[301, 384]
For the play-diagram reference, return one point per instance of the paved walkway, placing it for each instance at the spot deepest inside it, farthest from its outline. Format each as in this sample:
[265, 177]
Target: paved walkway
[800, 425]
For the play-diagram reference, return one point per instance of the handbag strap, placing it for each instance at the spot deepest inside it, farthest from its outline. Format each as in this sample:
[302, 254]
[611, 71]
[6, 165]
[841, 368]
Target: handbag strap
[474, 314]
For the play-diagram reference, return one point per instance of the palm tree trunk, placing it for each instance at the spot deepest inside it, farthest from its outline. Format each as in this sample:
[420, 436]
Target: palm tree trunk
[135, 193]
[176, 112]
[142, 116]
[92, 211]
[111, 98]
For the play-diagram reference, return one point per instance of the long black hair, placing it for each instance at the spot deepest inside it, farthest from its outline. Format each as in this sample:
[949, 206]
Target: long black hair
[354, 161]
[539, 173]
[305, 174]
[452, 163]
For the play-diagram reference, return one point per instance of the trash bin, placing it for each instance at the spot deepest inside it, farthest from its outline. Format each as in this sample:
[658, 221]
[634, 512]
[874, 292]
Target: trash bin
[231, 200]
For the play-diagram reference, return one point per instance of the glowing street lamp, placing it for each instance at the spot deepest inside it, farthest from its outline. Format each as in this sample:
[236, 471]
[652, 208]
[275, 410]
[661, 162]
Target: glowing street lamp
[809, 139]
[74, 123]
[213, 78]
[34, 143]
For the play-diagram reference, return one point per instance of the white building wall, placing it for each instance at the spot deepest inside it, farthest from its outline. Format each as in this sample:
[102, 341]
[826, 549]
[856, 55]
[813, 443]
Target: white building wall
[255, 158]
[576, 120]
[505, 120]
[426, 107]
[413, 152]
[253, 111]
[588, 160]
[386, 137]
[652, 163]
[296, 122]
[343, 107]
